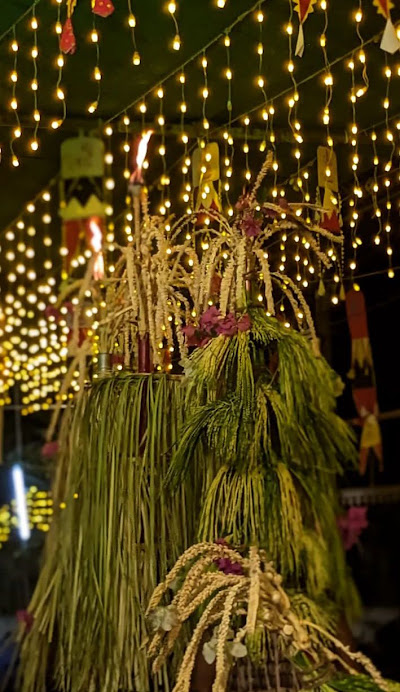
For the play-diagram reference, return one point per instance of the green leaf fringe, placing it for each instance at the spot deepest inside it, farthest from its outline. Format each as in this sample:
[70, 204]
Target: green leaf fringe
[117, 536]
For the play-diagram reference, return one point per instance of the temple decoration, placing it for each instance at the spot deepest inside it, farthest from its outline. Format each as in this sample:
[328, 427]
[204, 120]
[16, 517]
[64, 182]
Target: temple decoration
[363, 379]
[303, 8]
[82, 208]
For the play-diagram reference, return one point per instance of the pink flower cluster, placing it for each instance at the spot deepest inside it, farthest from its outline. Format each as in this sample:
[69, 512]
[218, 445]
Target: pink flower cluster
[212, 324]
[226, 565]
[351, 525]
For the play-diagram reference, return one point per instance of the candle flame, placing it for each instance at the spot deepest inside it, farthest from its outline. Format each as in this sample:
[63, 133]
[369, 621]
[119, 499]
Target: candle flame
[96, 243]
[142, 148]
[136, 177]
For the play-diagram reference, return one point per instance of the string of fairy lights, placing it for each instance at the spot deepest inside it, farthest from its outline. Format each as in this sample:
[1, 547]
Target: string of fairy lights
[39, 505]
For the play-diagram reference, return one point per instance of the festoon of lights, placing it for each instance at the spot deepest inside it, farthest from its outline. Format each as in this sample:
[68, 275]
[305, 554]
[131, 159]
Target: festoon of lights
[33, 340]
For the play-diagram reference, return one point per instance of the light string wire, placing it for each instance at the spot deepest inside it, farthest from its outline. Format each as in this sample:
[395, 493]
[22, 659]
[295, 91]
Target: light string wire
[17, 21]
[187, 62]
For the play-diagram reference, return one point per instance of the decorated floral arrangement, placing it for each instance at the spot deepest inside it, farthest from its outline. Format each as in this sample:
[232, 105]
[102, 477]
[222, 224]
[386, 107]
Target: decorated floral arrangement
[237, 607]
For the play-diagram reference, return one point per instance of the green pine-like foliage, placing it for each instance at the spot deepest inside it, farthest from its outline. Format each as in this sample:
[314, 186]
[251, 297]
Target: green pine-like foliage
[261, 428]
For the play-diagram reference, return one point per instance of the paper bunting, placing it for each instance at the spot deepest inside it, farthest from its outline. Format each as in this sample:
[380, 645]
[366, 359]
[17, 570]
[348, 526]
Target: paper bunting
[389, 43]
[303, 8]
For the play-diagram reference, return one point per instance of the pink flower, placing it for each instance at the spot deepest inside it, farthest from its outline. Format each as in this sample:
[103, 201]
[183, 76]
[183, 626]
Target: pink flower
[244, 323]
[250, 226]
[191, 335]
[351, 525]
[228, 325]
[50, 449]
[25, 618]
[209, 319]
[226, 566]
[242, 203]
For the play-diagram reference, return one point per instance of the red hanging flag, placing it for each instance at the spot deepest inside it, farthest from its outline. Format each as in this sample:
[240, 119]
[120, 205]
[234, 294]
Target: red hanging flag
[303, 8]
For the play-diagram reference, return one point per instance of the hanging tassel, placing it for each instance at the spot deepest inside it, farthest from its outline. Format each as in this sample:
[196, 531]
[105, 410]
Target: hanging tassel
[103, 8]
[300, 42]
[342, 293]
[321, 288]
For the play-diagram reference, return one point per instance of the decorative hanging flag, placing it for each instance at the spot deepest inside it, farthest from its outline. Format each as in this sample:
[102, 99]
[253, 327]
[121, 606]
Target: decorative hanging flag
[363, 379]
[67, 40]
[82, 208]
[205, 167]
[328, 181]
[390, 43]
[303, 8]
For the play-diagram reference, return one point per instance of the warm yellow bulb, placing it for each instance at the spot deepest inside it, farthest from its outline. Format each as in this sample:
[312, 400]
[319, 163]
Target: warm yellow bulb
[97, 74]
[132, 21]
[177, 42]
[60, 61]
[55, 124]
[14, 104]
[94, 36]
[358, 16]
[14, 46]
[136, 58]
[58, 28]
[221, 4]
[34, 52]
[14, 76]
[172, 7]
